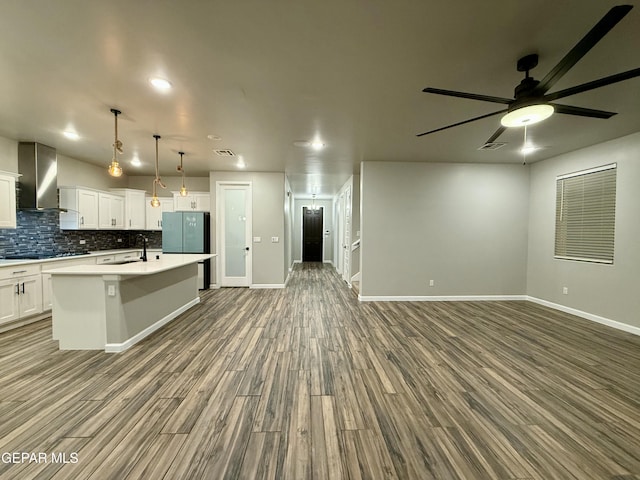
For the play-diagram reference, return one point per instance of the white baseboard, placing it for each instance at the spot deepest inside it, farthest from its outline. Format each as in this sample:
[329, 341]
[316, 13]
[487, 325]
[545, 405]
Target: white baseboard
[286, 282]
[589, 316]
[297, 261]
[267, 285]
[214, 286]
[330, 262]
[121, 347]
[356, 277]
[441, 298]
[474, 298]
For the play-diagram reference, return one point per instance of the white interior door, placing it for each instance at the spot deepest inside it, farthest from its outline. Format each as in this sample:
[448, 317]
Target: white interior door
[340, 228]
[234, 227]
[346, 237]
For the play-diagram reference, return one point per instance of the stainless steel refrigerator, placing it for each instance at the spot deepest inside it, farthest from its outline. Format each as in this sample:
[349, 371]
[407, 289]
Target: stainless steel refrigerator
[188, 232]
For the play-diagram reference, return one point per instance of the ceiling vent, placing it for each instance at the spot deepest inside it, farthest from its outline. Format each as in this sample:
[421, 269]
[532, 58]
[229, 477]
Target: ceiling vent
[492, 146]
[225, 153]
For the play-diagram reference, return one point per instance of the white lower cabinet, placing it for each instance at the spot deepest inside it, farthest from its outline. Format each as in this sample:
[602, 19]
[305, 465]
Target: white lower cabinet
[20, 297]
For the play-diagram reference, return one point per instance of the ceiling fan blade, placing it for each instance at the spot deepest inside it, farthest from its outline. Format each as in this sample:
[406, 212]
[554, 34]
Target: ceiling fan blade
[596, 34]
[472, 96]
[461, 123]
[496, 134]
[582, 112]
[618, 77]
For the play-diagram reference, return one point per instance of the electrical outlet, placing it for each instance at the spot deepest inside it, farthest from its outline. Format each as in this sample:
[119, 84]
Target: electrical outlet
[432, 283]
[83, 242]
[257, 239]
[565, 290]
[119, 240]
[275, 239]
[111, 290]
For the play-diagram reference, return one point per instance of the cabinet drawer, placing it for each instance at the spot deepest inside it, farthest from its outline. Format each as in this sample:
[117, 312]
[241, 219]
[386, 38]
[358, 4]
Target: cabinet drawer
[19, 271]
[123, 257]
[106, 259]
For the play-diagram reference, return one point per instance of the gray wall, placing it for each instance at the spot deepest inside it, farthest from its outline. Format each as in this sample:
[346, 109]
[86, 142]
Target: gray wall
[173, 183]
[268, 221]
[462, 225]
[288, 226]
[327, 218]
[610, 291]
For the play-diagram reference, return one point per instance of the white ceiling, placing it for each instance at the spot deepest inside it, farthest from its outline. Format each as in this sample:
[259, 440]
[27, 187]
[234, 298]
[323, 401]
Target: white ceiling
[264, 74]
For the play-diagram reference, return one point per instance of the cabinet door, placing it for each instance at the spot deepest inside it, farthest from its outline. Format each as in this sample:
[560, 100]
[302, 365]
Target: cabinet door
[7, 202]
[202, 202]
[9, 309]
[182, 204]
[154, 215]
[136, 211]
[88, 208]
[47, 297]
[104, 211]
[117, 212]
[30, 297]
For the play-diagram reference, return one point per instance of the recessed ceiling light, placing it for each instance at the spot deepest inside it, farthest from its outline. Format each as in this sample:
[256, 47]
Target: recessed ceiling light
[136, 162]
[241, 163]
[161, 84]
[317, 145]
[214, 137]
[71, 135]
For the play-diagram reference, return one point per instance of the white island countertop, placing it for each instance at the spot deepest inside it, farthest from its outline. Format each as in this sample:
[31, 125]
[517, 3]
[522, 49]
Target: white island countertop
[167, 261]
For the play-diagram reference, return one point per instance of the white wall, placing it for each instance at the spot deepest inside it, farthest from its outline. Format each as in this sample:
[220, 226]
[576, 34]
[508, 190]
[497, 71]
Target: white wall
[268, 193]
[609, 291]
[462, 225]
[327, 219]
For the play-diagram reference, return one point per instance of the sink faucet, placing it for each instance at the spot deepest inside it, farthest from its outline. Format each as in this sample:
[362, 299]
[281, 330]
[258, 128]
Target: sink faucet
[144, 247]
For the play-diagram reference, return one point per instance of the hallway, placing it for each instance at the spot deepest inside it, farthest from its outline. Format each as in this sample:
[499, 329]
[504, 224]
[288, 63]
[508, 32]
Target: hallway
[307, 382]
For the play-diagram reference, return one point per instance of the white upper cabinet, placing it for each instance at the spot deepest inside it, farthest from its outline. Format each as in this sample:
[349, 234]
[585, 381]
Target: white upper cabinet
[7, 200]
[134, 208]
[154, 214]
[194, 201]
[110, 211]
[81, 205]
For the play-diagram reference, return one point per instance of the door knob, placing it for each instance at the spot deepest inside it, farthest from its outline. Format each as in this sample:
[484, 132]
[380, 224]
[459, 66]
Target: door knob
[246, 248]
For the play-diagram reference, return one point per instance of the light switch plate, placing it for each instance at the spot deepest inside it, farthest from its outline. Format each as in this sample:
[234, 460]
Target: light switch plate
[257, 239]
[275, 239]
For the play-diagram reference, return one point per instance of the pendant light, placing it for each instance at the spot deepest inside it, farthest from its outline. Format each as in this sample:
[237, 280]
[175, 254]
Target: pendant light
[183, 189]
[155, 201]
[115, 170]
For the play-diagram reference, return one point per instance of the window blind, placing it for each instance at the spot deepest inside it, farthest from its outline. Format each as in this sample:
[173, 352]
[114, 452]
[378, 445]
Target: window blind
[585, 215]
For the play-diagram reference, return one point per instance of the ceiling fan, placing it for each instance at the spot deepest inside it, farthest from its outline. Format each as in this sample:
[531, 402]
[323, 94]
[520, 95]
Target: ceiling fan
[531, 102]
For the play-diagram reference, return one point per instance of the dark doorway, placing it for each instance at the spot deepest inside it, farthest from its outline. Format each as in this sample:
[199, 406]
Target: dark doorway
[311, 234]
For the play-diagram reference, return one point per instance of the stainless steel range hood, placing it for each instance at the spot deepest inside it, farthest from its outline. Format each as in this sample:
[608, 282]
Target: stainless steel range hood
[38, 185]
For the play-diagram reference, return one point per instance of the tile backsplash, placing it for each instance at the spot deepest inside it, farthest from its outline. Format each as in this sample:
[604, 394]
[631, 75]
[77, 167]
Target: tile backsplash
[39, 232]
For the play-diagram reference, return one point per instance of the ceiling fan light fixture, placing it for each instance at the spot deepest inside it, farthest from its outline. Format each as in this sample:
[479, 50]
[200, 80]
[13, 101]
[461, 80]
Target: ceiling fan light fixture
[527, 115]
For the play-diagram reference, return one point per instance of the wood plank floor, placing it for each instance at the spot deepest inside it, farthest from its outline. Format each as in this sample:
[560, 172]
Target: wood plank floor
[306, 382]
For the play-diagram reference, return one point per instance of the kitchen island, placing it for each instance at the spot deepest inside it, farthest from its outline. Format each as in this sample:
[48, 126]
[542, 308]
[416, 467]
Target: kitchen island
[111, 307]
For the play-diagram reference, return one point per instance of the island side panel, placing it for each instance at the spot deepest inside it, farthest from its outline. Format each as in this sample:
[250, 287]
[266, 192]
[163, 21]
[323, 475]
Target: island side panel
[142, 301]
[78, 313]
